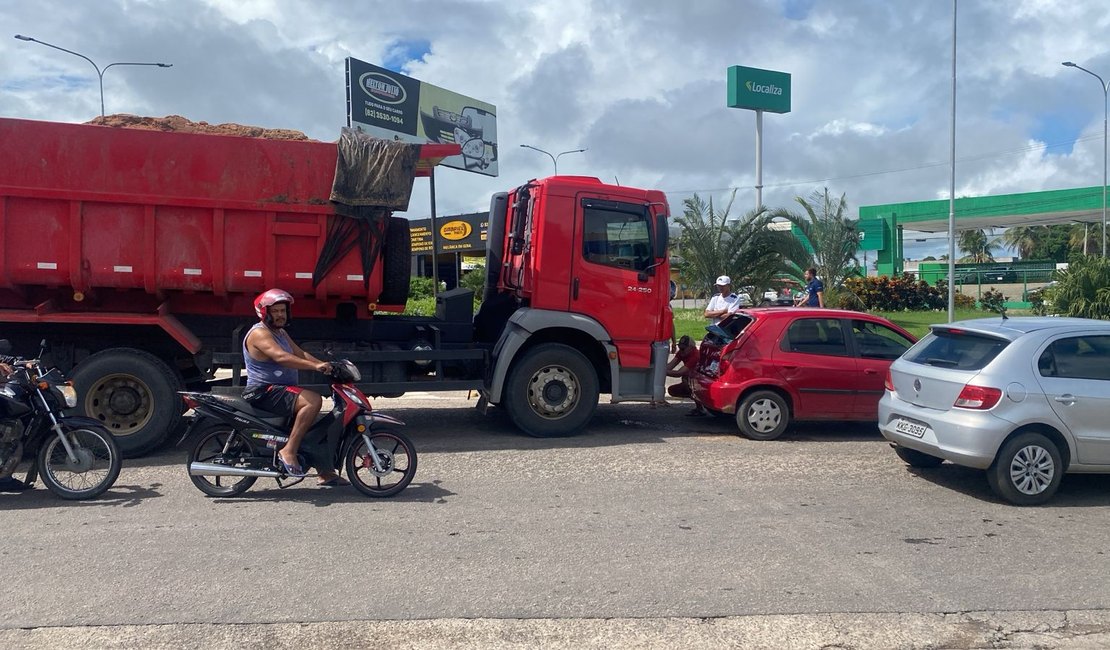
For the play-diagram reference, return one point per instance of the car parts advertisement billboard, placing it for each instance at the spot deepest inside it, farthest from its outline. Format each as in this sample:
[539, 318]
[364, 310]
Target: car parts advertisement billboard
[393, 106]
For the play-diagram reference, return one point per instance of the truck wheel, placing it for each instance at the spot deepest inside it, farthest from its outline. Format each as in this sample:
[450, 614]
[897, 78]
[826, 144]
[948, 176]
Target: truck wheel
[133, 394]
[551, 391]
[396, 257]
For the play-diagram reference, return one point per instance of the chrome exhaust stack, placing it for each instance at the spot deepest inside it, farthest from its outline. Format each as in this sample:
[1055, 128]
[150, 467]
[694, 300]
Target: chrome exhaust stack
[212, 469]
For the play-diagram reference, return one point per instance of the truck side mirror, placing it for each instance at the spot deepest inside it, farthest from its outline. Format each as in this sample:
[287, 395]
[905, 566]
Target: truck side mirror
[662, 234]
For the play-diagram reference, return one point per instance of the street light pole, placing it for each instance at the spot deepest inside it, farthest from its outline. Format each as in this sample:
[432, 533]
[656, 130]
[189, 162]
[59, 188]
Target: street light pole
[99, 72]
[555, 158]
[1105, 89]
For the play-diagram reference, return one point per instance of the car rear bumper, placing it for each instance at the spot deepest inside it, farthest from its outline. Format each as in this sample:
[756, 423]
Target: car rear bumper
[964, 437]
[715, 394]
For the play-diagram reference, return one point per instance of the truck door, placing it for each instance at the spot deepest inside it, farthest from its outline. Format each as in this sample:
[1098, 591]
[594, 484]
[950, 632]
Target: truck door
[610, 280]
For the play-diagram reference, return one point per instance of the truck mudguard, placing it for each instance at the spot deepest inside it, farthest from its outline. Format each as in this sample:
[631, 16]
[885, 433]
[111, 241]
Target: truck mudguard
[523, 324]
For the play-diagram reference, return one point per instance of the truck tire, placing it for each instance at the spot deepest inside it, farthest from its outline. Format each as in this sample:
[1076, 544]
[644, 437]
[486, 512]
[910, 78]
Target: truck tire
[396, 260]
[551, 391]
[133, 394]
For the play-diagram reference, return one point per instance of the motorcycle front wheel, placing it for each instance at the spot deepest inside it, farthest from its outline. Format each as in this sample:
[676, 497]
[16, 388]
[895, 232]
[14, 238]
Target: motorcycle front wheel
[396, 466]
[222, 445]
[93, 468]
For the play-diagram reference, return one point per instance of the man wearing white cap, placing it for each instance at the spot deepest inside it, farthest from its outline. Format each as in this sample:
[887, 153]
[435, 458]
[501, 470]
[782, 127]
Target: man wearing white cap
[722, 304]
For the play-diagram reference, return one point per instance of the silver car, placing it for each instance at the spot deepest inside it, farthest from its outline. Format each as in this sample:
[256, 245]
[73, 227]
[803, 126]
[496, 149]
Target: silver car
[1026, 399]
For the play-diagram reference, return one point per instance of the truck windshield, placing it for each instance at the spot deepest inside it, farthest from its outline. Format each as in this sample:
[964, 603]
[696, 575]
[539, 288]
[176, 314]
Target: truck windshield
[617, 238]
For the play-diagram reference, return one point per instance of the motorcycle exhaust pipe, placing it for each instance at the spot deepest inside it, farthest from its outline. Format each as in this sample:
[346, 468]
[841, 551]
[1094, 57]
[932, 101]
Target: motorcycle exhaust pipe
[212, 469]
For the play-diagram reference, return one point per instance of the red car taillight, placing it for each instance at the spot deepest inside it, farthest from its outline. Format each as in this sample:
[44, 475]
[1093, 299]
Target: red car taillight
[979, 398]
[888, 383]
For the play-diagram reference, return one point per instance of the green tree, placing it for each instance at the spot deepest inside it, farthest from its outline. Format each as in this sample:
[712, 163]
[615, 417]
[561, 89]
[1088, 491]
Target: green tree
[1052, 244]
[1023, 239]
[978, 247]
[833, 236]
[745, 248]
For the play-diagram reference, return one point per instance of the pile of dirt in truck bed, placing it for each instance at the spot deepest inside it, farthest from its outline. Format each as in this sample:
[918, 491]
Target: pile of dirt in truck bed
[180, 124]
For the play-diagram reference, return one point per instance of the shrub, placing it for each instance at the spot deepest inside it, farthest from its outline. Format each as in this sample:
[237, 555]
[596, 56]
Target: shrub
[993, 300]
[885, 293]
[1083, 289]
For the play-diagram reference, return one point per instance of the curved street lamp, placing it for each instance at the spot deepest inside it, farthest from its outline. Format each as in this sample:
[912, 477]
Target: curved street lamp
[1105, 87]
[99, 72]
[555, 158]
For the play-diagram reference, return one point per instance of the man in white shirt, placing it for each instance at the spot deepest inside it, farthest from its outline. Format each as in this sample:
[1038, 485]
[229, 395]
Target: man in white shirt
[722, 304]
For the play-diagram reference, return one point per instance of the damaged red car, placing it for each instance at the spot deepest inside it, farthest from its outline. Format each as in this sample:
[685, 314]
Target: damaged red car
[774, 366]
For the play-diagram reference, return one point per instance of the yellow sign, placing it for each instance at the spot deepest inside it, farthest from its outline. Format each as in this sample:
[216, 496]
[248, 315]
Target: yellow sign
[455, 230]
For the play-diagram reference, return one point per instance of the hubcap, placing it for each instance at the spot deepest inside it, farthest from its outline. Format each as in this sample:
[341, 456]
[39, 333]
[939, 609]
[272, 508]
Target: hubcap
[553, 392]
[385, 458]
[764, 415]
[1032, 470]
[121, 402]
[85, 459]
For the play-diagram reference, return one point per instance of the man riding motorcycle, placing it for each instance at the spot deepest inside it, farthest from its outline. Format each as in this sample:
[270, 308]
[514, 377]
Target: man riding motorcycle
[272, 360]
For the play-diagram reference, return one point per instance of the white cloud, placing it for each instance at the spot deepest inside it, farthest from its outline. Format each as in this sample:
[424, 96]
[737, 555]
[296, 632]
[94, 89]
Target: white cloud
[641, 84]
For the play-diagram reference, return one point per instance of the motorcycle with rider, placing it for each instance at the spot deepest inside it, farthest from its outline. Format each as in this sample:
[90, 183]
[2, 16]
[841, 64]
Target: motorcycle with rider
[275, 429]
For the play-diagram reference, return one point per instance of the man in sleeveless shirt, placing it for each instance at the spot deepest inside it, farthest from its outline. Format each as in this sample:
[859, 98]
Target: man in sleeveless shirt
[272, 360]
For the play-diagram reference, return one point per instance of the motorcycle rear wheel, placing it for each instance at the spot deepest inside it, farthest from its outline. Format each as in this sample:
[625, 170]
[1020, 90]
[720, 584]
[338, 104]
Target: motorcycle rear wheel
[94, 469]
[210, 449]
[396, 455]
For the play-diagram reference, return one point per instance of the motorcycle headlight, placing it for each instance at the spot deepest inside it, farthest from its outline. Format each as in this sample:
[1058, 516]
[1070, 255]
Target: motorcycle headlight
[70, 395]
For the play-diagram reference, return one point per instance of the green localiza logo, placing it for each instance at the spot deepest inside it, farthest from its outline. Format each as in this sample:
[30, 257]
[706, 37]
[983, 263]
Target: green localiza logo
[766, 89]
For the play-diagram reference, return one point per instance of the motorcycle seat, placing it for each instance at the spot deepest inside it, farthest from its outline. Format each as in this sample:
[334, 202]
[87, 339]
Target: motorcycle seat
[240, 404]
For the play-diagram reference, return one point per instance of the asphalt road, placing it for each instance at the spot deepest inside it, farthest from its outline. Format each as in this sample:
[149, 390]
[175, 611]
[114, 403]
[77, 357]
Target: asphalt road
[650, 516]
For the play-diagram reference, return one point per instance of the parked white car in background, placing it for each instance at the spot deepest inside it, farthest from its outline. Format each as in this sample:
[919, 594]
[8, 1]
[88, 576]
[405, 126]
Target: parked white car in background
[1026, 399]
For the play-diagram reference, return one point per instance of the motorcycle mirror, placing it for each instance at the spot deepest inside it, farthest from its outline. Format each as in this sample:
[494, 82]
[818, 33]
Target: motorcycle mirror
[5, 346]
[42, 348]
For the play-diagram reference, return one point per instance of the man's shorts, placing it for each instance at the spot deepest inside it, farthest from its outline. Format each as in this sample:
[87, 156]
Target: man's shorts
[273, 398]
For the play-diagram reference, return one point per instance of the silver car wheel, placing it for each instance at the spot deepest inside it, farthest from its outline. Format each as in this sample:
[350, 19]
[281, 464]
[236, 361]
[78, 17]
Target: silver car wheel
[764, 415]
[1032, 470]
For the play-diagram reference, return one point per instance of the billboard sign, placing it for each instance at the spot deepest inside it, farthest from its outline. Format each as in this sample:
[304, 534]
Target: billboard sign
[461, 233]
[389, 105]
[758, 90]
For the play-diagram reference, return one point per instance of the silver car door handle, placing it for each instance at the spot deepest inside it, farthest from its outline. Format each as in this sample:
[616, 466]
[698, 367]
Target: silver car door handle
[1066, 399]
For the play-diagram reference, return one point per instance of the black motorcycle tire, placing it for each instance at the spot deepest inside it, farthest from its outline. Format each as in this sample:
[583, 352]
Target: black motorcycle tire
[391, 444]
[93, 440]
[234, 487]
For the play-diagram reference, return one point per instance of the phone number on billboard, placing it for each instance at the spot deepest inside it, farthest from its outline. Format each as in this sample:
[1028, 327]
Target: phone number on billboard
[385, 117]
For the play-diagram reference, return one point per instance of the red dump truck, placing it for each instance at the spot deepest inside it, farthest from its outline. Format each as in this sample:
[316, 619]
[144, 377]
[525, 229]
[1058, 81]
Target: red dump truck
[136, 255]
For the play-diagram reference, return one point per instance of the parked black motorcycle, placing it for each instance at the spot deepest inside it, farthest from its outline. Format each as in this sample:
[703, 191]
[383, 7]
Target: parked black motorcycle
[76, 456]
[238, 444]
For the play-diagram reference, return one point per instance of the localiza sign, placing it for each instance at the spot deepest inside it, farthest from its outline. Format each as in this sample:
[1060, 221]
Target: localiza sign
[389, 105]
[758, 90]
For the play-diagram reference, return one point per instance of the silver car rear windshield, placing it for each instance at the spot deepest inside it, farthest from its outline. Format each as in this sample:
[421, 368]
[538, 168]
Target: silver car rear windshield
[955, 348]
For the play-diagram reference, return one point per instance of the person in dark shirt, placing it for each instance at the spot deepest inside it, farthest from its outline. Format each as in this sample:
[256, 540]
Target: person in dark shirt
[814, 295]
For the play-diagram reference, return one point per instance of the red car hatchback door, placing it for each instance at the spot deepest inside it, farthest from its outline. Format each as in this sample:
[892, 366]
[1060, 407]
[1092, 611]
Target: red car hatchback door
[812, 357]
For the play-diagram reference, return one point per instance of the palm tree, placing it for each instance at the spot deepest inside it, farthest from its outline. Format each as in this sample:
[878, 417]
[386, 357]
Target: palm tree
[833, 237]
[1023, 239]
[979, 249]
[743, 248]
[1084, 237]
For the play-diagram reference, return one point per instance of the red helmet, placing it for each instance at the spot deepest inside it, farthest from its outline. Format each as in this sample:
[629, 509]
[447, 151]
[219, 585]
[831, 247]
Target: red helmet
[267, 298]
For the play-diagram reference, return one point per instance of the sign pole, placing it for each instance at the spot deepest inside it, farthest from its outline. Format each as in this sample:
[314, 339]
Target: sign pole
[758, 159]
[435, 232]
